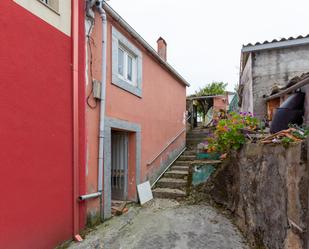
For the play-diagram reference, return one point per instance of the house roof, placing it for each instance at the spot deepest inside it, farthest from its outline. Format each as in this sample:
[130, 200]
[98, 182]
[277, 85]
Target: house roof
[210, 96]
[276, 44]
[110, 11]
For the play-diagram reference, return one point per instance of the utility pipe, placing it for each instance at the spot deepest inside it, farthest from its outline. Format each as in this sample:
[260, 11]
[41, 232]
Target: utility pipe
[75, 45]
[89, 196]
[99, 6]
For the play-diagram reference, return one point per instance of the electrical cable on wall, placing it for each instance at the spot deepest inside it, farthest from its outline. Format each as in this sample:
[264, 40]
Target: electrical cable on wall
[89, 41]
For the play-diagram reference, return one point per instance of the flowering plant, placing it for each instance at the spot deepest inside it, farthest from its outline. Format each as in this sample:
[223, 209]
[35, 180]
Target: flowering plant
[230, 133]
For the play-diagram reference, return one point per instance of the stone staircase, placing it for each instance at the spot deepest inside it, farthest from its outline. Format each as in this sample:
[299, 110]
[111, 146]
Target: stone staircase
[174, 183]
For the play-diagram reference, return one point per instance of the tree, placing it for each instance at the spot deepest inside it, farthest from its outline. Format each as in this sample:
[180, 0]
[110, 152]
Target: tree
[214, 88]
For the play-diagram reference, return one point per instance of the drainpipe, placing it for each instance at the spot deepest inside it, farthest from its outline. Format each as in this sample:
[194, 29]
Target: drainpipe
[75, 13]
[102, 13]
[99, 6]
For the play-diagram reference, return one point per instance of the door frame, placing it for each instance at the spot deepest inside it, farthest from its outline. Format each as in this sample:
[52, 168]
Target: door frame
[113, 123]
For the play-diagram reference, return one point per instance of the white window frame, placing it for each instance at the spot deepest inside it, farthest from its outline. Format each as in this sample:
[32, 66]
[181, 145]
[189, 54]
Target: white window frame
[134, 85]
[124, 76]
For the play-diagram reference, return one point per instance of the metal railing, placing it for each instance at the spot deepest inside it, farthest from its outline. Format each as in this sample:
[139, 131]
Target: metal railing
[171, 163]
[169, 143]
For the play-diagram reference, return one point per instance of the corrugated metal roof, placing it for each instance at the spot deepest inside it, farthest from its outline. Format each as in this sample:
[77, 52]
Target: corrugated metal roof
[275, 40]
[280, 43]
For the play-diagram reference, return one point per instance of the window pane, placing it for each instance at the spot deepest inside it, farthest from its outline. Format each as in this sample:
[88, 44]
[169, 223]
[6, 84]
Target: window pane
[120, 61]
[130, 68]
[54, 4]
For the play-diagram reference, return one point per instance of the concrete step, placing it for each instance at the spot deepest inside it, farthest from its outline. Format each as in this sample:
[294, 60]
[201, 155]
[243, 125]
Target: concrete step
[192, 144]
[179, 174]
[199, 131]
[171, 183]
[181, 163]
[195, 140]
[181, 168]
[206, 162]
[187, 157]
[190, 152]
[168, 193]
[197, 135]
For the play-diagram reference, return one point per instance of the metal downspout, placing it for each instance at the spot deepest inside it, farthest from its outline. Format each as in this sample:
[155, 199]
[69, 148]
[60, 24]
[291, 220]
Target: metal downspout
[99, 6]
[75, 45]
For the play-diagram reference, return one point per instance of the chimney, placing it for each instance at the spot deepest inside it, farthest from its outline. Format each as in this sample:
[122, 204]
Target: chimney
[162, 48]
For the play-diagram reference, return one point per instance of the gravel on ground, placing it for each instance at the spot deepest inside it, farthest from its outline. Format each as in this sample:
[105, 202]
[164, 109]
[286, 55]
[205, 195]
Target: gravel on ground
[165, 224]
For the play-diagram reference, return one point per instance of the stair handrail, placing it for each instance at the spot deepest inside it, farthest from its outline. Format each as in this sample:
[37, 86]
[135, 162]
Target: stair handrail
[166, 169]
[169, 143]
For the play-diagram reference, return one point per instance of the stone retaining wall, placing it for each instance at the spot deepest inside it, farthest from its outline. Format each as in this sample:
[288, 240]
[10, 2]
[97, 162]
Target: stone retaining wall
[266, 187]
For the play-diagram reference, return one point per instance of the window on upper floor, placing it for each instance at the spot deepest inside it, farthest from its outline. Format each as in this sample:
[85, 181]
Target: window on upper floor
[53, 4]
[127, 64]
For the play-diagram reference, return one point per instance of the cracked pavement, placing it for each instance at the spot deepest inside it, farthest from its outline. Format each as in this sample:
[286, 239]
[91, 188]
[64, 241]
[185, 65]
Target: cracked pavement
[165, 224]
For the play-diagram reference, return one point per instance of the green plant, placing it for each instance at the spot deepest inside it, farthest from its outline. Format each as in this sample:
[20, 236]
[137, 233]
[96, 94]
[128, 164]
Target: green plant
[230, 133]
[301, 131]
[214, 88]
[286, 141]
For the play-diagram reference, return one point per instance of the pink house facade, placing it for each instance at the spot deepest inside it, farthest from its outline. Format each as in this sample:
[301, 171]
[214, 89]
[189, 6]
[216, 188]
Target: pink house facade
[144, 112]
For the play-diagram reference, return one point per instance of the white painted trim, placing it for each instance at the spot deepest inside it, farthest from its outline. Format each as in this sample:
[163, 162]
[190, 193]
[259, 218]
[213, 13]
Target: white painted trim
[119, 40]
[60, 19]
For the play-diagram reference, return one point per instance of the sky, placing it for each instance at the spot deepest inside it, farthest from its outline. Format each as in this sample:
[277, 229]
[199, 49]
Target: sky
[204, 38]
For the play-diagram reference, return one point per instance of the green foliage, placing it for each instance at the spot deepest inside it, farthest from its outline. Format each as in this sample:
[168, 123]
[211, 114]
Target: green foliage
[286, 141]
[301, 131]
[230, 133]
[214, 88]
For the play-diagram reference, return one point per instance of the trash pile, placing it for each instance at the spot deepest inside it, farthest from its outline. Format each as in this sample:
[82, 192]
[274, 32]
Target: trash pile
[119, 207]
[233, 130]
[285, 136]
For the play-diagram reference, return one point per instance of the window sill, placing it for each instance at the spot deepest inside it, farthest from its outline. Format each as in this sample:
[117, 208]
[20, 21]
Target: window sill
[126, 86]
[50, 8]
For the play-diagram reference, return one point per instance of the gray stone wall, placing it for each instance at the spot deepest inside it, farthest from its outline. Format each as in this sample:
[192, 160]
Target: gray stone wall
[275, 66]
[266, 187]
[246, 83]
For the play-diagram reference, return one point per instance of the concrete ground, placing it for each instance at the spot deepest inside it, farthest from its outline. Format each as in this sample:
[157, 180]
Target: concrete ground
[165, 224]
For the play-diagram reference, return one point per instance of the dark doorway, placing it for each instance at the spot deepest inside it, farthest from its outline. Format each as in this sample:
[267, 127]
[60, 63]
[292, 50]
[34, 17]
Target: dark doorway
[119, 165]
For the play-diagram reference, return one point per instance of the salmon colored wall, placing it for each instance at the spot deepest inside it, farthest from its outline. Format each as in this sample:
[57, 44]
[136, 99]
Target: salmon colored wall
[160, 111]
[220, 103]
[131, 166]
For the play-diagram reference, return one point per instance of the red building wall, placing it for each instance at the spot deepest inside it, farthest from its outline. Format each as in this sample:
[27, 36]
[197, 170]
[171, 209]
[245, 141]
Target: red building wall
[36, 129]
